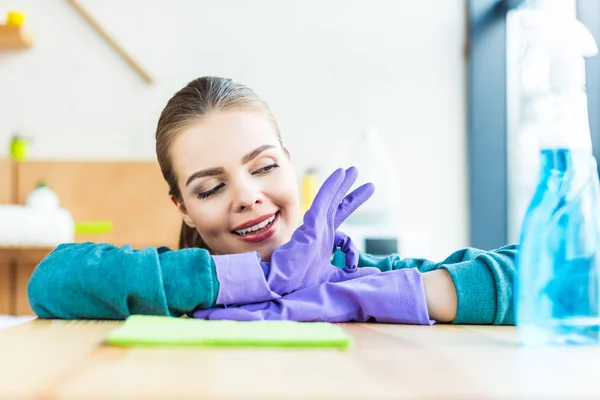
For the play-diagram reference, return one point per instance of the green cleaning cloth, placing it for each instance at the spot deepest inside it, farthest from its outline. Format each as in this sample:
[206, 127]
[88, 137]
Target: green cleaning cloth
[143, 330]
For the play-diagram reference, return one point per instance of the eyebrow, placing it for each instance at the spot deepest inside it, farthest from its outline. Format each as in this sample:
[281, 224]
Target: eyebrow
[254, 153]
[220, 170]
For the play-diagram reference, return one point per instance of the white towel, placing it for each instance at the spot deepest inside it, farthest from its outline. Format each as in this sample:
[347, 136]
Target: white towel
[29, 226]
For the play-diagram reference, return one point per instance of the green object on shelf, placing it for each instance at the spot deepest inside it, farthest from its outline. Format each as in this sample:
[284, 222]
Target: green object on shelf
[145, 330]
[96, 227]
[19, 148]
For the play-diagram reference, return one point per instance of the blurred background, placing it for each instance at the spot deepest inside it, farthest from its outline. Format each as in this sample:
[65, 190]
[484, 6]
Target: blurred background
[431, 79]
[330, 70]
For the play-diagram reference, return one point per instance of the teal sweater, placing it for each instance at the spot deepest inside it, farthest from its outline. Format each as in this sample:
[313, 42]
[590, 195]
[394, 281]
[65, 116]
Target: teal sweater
[102, 281]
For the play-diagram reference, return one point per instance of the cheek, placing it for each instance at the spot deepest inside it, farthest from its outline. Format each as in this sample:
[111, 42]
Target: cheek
[287, 197]
[209, 217]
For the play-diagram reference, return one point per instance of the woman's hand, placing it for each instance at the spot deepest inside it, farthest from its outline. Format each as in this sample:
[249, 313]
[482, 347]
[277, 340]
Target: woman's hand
[393, 297]
[305, 260]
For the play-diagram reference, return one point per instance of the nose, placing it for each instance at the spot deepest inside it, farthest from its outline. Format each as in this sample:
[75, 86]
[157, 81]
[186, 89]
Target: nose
[245, 196]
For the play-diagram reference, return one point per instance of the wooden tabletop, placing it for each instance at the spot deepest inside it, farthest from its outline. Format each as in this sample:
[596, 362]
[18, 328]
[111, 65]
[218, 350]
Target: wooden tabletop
[67, 360]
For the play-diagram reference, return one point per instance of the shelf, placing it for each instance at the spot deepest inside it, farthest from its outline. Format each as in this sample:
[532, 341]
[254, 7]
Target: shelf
[15, 37]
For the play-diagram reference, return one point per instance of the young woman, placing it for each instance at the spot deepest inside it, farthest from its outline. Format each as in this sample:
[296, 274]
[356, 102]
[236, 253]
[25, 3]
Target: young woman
[221, 152]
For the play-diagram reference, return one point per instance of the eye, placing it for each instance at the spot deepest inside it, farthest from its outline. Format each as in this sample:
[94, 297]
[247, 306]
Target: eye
[266, 170]
[211, 192]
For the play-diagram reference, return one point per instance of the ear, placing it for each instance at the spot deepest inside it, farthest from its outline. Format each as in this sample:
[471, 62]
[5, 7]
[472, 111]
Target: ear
[183, 212]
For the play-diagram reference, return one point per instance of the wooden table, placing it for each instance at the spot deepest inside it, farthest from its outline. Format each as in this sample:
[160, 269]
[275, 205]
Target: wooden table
[67, 360]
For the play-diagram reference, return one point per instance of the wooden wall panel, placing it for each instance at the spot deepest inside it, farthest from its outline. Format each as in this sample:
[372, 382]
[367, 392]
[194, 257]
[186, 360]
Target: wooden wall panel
[21, 300]
[16, 266]
[131, 194]
[6, 286]
[6, 181]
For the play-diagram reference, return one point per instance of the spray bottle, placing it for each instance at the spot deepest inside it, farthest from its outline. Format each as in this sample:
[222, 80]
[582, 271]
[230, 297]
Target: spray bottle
[556, 293]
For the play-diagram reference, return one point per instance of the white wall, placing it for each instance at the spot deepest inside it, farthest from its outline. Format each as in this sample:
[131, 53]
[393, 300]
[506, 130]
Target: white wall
[327, 68]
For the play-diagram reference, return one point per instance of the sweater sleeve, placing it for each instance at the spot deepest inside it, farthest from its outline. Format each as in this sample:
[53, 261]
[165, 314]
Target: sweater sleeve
[102, 281]
[483, 280]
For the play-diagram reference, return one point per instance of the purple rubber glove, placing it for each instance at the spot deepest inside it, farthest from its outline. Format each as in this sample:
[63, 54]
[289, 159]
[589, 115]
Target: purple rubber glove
[394, 297]
[348, 247]
[305, 260]
[242, 280]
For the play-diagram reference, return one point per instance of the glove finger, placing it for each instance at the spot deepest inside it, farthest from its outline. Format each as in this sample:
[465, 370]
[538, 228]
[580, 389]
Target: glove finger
[323, 201]
[349, 179]
[351, 202]
[345, 243]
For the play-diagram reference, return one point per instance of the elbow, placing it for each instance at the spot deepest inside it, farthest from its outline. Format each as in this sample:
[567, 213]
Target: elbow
[38, 292]
[44, 286]
[38, 301]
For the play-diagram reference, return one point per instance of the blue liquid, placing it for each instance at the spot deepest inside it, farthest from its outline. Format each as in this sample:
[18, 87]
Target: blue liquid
[557, 293]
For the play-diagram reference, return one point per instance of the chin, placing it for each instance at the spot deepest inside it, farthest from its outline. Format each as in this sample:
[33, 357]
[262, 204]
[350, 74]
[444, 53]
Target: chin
[266, 257]
[265, 253]
[267, 249]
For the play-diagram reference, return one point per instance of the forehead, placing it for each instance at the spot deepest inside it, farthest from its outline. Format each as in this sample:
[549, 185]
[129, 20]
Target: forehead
[220, 139]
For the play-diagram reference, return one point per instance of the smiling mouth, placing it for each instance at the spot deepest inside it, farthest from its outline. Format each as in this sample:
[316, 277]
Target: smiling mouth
[260, 227]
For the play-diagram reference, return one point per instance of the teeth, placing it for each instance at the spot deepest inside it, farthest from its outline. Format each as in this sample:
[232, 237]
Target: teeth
[256, 227]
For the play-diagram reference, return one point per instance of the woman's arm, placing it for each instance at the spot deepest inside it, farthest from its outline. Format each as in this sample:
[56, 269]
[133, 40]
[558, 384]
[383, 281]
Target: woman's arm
[440, 295]
[484, 284]
[102, 281]
[480, 289]
[392, 297]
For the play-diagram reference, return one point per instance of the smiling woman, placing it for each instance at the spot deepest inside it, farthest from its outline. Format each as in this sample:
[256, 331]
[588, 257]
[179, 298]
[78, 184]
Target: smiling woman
[230, 177]
[221, 153]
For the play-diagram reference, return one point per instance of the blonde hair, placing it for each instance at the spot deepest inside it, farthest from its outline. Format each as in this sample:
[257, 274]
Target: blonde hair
[197, 99]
